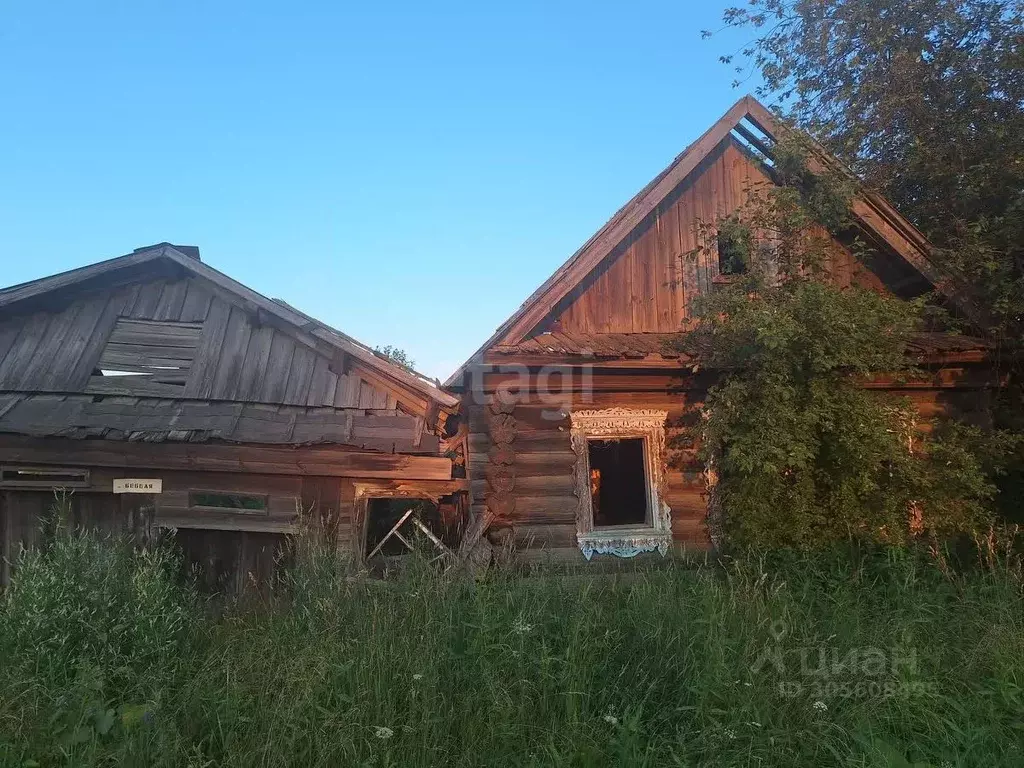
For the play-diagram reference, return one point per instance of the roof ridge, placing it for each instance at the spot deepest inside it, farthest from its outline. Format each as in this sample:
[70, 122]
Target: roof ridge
[385, 368]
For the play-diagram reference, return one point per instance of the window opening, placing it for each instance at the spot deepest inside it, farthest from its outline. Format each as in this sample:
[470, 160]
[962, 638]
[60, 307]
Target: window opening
[395, 526]
[43, 477]
[618, 478]
[733, 252]
[618, 482]
[229, 502]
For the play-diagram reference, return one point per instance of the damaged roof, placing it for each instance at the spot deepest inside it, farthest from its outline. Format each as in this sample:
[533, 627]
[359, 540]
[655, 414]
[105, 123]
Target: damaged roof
[658, 347]
[155, 420]
[187, 258]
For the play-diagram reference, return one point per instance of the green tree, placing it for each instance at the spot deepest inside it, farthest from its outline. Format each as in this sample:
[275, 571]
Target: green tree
[924, 99]
[396, 355]
[805, 456]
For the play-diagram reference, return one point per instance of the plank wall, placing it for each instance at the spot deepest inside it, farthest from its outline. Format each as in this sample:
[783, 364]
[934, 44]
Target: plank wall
[238, 358]
[231, 549]
[647, 282]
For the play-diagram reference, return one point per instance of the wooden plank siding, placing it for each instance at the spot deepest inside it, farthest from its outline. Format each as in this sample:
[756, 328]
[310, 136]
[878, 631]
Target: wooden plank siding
[237, 358]
[647, 282]
[220, 544]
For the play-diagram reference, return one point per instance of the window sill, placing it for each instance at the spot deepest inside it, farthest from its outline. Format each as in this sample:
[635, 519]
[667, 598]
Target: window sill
[624, 541]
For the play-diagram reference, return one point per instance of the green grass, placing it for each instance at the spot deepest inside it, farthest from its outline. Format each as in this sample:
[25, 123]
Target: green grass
[106, 660]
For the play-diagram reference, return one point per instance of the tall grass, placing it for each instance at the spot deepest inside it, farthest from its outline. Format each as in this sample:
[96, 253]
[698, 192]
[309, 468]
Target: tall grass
[882, 662]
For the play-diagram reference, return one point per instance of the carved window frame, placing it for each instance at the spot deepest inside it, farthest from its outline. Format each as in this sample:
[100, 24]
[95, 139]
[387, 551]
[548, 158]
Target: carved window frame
[612, 423]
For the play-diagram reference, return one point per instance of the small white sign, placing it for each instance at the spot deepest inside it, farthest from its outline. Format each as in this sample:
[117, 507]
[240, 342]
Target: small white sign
[138, 485]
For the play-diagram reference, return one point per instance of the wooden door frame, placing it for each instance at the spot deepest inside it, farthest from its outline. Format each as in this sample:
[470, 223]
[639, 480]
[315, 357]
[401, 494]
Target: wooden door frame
[366, 490]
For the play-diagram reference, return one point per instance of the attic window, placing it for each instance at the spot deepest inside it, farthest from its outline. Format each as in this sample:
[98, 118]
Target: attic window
[733, 251]
[147, 357]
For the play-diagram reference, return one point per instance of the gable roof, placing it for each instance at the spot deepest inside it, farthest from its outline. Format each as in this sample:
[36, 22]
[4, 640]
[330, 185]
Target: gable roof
[186, 258]
[871, 210]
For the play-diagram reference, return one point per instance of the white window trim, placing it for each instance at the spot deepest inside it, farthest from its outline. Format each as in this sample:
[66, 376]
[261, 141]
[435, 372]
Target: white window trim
[611, 423]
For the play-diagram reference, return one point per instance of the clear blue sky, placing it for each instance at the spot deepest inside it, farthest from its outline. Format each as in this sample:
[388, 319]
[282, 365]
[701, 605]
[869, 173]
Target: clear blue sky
[408, 172]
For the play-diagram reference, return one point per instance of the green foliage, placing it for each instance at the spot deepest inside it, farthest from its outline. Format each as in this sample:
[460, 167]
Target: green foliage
[806, 456]
[396, 355]
[90, 629]
[735, 244]
[924, 99]
[665, 667]
[91, 601]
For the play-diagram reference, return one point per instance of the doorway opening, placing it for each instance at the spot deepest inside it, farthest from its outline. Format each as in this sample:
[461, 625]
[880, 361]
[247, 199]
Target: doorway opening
[397, 526]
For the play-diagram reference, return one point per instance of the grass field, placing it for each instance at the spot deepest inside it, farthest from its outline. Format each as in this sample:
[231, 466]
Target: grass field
[887, 663]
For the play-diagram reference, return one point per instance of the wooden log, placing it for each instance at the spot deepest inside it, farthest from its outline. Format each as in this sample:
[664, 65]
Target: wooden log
[501, 454]
[306, 460]
[501, 478]
[502, 428]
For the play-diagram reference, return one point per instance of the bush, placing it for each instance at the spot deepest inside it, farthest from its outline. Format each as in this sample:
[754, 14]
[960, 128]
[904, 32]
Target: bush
[87, 600]
[806, 452]
[90, 630]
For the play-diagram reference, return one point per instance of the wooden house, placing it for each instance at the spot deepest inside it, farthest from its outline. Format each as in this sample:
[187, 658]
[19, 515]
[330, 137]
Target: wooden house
[155, 366]
[568, 404]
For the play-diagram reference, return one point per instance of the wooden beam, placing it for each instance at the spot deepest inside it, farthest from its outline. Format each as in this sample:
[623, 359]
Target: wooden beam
[754, 140]
[222, 457]
[224, 523]
[413, 489]
[44, 285]
[656, 362]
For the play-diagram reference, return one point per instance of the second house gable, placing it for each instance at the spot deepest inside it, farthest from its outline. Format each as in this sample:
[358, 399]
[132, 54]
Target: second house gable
[640, 272]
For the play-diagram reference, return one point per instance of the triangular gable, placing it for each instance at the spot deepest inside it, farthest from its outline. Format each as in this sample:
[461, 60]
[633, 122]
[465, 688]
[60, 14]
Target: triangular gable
[165, 253]
[872, 212]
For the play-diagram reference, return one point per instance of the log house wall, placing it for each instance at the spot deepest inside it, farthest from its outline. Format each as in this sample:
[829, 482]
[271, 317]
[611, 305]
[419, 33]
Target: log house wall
[645, 285]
